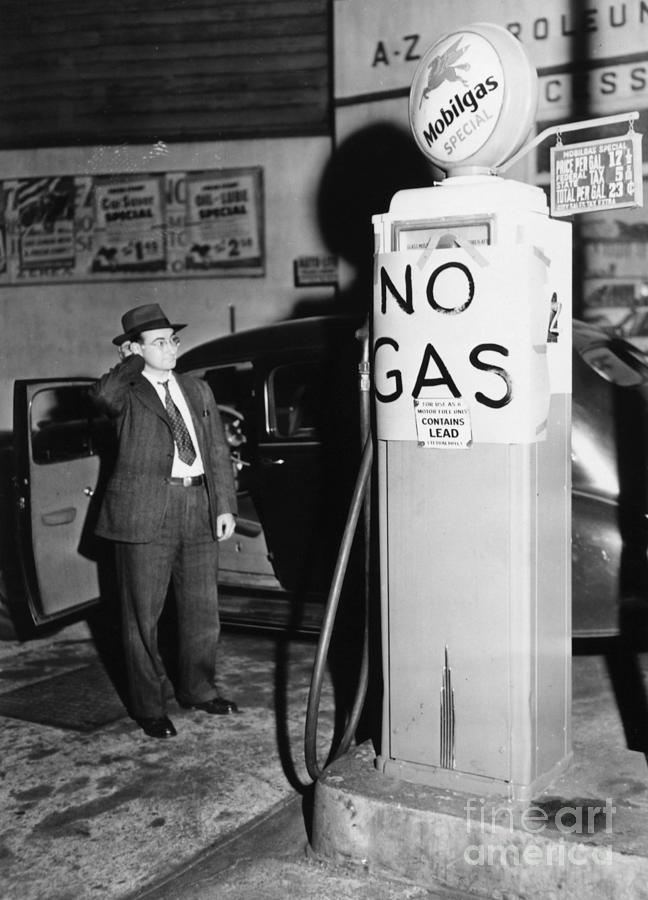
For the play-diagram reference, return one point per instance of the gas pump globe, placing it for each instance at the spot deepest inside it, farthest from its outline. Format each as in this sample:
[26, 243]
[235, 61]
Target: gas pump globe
[473, 99]
[472, 375]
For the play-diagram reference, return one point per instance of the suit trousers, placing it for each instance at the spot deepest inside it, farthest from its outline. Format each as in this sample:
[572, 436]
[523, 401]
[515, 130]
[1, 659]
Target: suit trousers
[186, 552]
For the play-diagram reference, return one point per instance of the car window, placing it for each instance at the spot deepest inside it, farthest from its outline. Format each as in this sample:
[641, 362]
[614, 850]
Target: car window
[294, 400]
[64, 425]
[617, 362]
[232, 385]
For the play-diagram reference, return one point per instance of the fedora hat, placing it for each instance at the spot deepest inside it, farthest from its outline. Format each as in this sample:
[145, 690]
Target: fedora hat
[143, 318]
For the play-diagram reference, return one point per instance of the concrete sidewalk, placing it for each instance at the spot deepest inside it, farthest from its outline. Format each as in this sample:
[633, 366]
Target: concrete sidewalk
[270, 858]
[100, 814]
[222, 810]
[586, 835]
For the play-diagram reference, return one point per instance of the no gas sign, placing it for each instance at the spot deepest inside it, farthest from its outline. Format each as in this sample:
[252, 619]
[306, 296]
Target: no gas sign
[455, 326]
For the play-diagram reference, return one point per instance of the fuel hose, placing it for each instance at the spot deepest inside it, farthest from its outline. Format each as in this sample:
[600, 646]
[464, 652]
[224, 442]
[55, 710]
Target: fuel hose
[360, 502]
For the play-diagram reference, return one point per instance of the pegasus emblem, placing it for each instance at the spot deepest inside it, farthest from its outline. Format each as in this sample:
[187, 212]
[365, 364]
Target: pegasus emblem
[445, 67]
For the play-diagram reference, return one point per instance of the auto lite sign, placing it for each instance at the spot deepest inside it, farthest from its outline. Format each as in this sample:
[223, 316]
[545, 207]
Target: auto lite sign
[596, 175]
[473, 98]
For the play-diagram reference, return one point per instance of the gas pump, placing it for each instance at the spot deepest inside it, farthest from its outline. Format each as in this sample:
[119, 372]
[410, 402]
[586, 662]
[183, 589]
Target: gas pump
[472, 378]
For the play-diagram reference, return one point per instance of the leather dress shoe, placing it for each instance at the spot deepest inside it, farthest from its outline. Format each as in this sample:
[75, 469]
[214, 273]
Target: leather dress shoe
[217, 706]
[161, 727]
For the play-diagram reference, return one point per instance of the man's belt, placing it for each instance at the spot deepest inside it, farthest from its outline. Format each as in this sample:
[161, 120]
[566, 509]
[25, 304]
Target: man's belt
[188, 480]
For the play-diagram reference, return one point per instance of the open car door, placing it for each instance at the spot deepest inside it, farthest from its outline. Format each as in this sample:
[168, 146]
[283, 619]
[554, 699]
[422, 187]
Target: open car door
[308, 460]
[60, 445]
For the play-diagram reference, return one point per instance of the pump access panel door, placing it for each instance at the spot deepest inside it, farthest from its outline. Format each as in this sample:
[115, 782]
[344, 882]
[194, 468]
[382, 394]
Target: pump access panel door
[478, 684]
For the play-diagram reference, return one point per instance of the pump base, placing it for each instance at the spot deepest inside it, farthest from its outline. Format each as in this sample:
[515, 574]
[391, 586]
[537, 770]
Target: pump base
[450, 779]
[583, 836]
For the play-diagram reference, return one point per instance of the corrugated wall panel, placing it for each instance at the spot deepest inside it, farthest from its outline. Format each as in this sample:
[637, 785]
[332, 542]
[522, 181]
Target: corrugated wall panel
[87, 72]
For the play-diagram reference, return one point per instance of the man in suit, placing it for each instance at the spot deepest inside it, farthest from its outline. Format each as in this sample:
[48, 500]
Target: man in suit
[169, 500]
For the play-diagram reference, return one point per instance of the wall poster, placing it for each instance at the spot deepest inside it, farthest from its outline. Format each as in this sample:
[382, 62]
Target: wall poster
[149, 225]
[129, 225]
[222, 221]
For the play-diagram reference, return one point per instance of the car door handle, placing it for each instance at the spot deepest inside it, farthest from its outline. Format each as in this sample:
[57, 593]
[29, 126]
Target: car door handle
[267, 461]
[59, 516]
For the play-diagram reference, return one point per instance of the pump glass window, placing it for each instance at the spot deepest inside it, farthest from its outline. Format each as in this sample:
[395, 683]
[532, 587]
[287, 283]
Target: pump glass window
[294, 401]
[64, 425]
[442, 233]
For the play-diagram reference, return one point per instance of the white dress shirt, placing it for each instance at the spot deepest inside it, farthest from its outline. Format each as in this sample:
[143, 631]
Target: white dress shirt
[179, 469]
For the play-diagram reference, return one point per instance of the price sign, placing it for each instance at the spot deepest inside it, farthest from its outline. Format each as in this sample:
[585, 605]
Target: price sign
[129, 225]
[596, 175]
[223, 220]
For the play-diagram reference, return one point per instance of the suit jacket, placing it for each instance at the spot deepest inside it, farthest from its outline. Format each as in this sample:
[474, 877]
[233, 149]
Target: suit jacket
[137, 491]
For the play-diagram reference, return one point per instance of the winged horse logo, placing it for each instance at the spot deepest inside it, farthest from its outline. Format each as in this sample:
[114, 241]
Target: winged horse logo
[445, 67]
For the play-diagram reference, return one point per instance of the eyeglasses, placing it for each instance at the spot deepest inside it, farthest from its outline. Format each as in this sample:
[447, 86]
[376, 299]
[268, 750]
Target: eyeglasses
[160, 343]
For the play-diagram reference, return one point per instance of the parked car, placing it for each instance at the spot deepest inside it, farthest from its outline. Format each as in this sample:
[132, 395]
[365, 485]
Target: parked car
[289, 397]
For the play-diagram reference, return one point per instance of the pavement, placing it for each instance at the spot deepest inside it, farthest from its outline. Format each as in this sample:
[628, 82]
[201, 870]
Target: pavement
[270, 858]
[584, 835]
[225, 810]
[102, 813]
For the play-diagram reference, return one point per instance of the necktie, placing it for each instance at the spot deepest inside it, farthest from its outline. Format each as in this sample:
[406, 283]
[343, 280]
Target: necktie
[181, 436]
